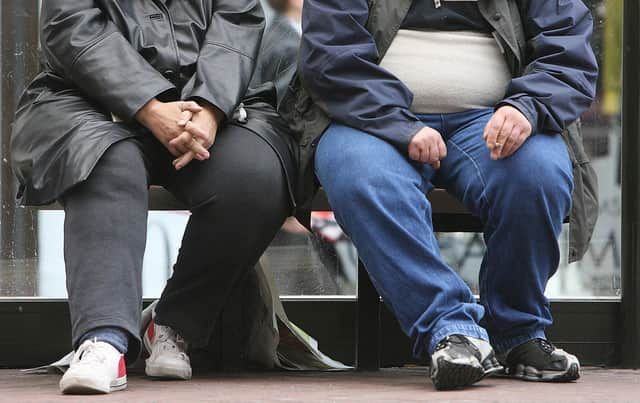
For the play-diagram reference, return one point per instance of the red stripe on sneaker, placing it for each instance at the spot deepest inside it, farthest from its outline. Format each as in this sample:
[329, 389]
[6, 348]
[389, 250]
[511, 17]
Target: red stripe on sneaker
[122, 368]
[151, 331]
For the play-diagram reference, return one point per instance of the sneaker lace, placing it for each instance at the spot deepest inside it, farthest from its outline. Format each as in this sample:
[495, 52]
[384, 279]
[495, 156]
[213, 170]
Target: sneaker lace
[92, 353]
[546, 346]
[168, 340]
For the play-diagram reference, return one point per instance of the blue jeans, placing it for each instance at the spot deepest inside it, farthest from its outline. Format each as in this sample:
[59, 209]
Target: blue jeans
[378, 196]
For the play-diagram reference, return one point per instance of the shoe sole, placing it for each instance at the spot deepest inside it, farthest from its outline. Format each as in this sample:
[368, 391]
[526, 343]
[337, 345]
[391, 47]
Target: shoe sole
[532, 375]
[492, 366]
[167, 372]
[450, 375]
[87, 386]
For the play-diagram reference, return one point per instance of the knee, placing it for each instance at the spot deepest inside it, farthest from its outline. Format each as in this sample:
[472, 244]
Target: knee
[121, 169]
[536, 185]
[256, 187]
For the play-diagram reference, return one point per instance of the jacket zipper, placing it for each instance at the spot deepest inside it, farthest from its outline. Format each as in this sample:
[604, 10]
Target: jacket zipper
[437, 3]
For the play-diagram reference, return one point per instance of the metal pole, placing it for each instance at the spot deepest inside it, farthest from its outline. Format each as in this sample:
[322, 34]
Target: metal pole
[19, 63]
[630, 326]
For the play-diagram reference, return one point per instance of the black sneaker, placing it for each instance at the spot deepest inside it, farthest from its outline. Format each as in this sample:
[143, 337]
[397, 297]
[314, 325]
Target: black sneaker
[456, 363]
[540, 361]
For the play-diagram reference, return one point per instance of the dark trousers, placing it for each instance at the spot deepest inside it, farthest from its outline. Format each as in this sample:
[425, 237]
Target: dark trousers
[238, 199]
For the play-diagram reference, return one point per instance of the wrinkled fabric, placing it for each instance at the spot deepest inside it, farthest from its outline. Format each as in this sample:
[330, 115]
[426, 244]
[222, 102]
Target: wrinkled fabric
[108, 58]
[339, 67]
[308, 114]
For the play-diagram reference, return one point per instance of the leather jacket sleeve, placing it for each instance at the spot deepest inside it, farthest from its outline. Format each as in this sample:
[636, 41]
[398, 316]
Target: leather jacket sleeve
[84, 47]
[338, 67]
[228, 55]
[559, 81]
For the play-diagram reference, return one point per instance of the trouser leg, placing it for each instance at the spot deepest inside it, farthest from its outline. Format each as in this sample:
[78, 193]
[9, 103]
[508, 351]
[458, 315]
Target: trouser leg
[378, 197]
[522, 201]
[104, 240]
[239, 200]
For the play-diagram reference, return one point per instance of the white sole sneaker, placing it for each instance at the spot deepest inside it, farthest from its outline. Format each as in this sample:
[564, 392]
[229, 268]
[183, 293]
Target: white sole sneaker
[96, 368]
[82, 385]
[166, 367]
[160, 370]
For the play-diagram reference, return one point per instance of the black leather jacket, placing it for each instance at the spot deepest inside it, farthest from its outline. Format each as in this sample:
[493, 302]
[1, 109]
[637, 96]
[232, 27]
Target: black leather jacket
[106, 58]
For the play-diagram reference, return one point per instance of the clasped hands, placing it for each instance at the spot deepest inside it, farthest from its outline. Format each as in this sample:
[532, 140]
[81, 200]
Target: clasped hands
[504, 134]
[185, 128]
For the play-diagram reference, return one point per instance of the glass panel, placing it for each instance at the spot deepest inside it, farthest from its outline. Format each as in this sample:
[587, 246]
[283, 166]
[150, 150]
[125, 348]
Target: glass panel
[300, 262]
[323, 263]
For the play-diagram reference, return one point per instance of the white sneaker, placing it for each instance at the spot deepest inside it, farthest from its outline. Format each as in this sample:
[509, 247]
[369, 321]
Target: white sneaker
[168, 353]
[97, 367]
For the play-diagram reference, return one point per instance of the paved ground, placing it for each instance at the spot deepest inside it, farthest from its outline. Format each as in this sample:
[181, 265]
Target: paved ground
[389, 385]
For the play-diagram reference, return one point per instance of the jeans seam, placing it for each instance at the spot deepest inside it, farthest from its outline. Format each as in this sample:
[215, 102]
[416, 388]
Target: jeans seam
[485, 200]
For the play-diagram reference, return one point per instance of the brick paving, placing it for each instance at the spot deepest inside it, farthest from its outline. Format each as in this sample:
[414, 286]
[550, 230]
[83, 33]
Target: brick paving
[387, 385]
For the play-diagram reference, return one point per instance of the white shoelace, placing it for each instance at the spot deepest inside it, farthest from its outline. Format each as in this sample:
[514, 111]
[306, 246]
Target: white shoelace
[167, 339]
[91, 353]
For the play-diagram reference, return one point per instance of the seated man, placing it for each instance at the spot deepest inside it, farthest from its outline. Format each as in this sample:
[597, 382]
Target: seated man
[470, 96]
[140, 93]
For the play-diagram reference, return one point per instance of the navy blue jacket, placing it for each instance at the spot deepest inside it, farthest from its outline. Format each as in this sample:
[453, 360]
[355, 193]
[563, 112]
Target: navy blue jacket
[339, 67]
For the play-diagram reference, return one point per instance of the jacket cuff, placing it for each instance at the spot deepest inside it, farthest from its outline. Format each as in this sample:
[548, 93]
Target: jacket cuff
[203, 95]
[530, 113]
[133, 105]
[408, 133]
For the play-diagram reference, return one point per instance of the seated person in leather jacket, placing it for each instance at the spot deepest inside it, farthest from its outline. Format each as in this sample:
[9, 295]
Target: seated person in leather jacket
[135, 94]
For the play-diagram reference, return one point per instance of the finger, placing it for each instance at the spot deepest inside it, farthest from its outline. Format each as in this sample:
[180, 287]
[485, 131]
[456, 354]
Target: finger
[426, 155]
[414, 152]
[196, 131]
[190, 106]
[511, 144]
[185, 117]
[492, 129]
[503, 136]
[181, 143]
[198, 149]
[493, 121]
[519, 142]
[184, 160]
[435, 165]
[442, 149]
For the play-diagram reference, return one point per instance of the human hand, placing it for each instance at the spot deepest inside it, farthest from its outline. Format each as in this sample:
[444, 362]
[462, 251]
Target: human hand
[201, 129]
[162, 119]
[506, 131]
[428, 147]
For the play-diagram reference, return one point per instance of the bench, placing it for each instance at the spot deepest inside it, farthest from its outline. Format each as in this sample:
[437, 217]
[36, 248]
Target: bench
[449, 215]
